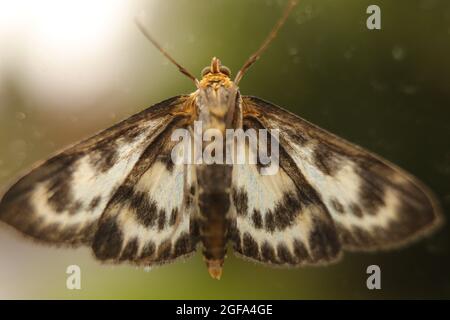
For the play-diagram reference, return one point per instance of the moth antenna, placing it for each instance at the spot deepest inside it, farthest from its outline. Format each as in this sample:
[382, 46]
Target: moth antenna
[146, 33]
[273, 33]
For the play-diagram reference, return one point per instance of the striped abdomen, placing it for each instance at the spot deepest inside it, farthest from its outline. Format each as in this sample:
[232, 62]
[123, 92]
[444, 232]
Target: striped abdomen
[214, 183]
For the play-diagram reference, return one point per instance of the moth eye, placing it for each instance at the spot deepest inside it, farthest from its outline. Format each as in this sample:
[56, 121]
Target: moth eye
[225, 70]
[205, 71]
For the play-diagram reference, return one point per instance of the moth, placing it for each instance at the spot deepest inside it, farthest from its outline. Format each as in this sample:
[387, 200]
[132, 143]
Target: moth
[120, 193]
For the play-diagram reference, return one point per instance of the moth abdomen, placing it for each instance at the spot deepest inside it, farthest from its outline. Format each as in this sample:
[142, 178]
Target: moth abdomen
[214, 205]
[214, 229]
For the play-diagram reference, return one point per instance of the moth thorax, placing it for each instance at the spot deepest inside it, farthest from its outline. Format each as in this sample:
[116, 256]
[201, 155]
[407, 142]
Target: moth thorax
[215, 105]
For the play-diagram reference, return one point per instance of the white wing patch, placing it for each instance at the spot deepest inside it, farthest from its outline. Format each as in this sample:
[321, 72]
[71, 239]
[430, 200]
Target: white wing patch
[346, 183]
[87, 186]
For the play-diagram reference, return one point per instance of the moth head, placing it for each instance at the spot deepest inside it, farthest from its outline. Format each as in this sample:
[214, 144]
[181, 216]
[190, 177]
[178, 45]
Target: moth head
[216, 68]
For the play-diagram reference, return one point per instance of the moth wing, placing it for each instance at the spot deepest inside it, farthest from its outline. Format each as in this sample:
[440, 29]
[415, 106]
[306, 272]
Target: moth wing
[62, 200]
[278, 218]
[150, 218]
[373, 203]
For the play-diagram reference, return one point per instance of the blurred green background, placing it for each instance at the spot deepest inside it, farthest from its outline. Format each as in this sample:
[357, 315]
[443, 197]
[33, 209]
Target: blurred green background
[70, 68]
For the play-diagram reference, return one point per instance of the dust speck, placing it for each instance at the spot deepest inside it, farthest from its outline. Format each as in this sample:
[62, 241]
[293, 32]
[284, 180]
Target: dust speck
[398, 53]
[20, 116]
